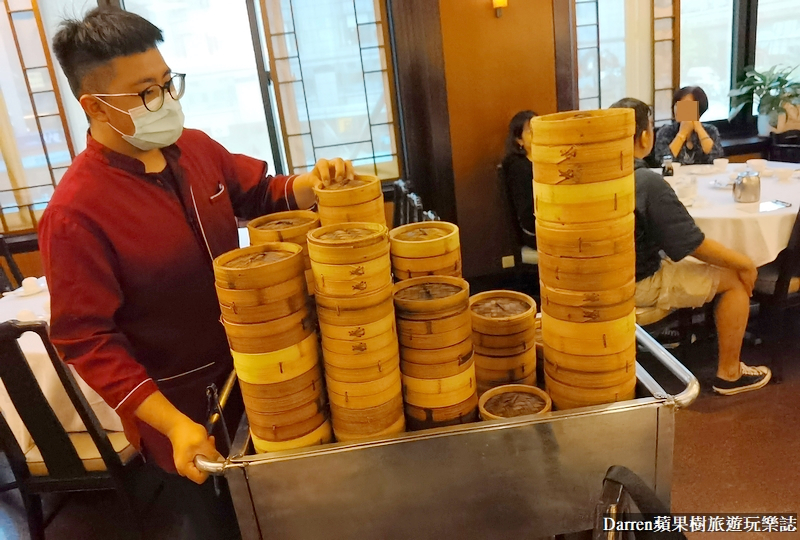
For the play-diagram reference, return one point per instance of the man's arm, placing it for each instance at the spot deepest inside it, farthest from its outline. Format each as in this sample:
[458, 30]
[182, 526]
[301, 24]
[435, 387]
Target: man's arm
[712, 252]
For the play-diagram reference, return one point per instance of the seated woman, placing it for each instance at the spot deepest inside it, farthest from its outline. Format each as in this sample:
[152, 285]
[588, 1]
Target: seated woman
[518, 172]
[686, 139]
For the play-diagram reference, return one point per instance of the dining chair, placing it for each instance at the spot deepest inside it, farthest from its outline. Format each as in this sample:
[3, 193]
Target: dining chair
[400, 216]
[16, 274]
[785, 146]
[59, 462]
[777, 291]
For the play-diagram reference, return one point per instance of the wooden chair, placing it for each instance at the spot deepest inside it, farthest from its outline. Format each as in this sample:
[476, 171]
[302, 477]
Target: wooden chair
[785, 146]
[777, 291]
[16, 274]
[408, 206]
[60, 461]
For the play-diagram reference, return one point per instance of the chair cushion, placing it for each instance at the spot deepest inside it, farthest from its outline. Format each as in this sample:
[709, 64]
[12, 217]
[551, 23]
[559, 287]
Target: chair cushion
[648, 315]
[768, 278]
[529, 255]
[87, 451]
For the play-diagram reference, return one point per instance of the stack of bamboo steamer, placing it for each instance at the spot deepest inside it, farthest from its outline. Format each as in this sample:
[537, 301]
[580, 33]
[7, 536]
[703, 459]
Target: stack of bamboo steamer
[435, 333]
[262, 295]
[504, 335]
[584, 201]
[291, 226]
[429, 248]
[359, 200]
[353, 280]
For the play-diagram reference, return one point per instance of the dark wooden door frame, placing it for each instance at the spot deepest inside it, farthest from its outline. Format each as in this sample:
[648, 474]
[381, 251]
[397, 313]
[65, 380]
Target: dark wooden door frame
[566, 55]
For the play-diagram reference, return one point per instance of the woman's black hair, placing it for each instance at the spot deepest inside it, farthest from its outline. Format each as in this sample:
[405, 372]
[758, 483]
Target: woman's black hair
[696, 92]
[104, 33]
[515, 128]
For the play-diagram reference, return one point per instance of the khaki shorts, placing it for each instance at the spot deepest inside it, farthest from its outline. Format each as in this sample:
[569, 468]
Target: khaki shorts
[684, 284]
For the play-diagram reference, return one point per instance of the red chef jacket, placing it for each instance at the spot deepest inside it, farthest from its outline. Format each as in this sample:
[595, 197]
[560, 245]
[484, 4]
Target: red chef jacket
[128, 259]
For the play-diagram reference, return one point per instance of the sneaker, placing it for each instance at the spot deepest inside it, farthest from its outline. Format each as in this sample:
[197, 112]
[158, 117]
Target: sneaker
[753, 378]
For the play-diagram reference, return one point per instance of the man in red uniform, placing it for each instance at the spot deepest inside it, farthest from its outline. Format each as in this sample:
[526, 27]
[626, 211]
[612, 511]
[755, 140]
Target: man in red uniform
[129, 237]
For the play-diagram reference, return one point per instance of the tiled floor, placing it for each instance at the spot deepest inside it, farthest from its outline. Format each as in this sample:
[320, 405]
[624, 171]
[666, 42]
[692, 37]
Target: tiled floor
[732, 454]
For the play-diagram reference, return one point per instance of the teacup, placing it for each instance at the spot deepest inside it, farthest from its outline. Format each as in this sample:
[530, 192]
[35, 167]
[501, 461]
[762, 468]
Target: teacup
[721, 164]
[757, 165]
[30, 285]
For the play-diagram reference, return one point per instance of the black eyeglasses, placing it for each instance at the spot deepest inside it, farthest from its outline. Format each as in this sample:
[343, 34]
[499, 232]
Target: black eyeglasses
[153, 96]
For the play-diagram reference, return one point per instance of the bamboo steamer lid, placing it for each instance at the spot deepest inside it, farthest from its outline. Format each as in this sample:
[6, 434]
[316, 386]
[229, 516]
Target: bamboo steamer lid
[590, 364]
[260, 297]
[384, 356]
[363, 374]
[360, 189]
[257, 267]
[349, 401]
[286, 418]
[435, 341]
[582, 314]
[322, 435]
[264, 313]
[398, 427]
[371, 211]
[439, 392]
[356, 317]
[582, 163]
[269, 336]
[290, 432]
[527, 389]
[435, 326]
[285, 396]
[437, 356]
[360, 347]
[436, 371]
[596, 274]
[366, 388]
[358, 332]
[348, 243]
[589, 299]
[424, 240]
[432, 294]
[452, 271]
[502, 312]
[367, 420]
[584, 203]
[485, 386]
[446, 261]
[492, 375]
[584, 240]
[523, 340]
[589, 338]
[506, 362]
[588, 379]
[443, 414]
[583, 127]
[571, 397]
[291, 226]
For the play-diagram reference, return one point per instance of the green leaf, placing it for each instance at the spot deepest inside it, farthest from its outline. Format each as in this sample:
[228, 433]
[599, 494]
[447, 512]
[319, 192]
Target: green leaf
[736, 111]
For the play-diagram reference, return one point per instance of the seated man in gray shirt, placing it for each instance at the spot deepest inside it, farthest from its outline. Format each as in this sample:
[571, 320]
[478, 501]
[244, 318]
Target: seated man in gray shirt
[664, 225]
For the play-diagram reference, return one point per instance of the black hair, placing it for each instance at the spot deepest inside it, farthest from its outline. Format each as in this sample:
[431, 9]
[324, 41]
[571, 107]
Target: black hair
[641, 110]
[697, 93]
[515, 129]
[105, 33]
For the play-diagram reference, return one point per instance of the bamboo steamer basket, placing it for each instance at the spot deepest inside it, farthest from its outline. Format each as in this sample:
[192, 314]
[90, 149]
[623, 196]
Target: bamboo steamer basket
[505, 352]
[352, 272]
[588, 299]
[360, 347]
[334, 317]
[585, 240]
[372, 211]
[502, 312]
[571, 397]
[446, 261]
[436, 371]
[291, 226]
[251, 368]
[437, 356]
[441, 385]
[433, 393]
[588, 339]
[583, 127]
[584, 203]
[363, 374]
[257, 267]
[269, 336]
[366, 421]
[289, 432]
[384, 356]
[398, 427]
[588, 379]
[454, 271]
[361, 189]
[322, 435]
[418, 418]
[348, 400]
[309, 277]
[354, 285]
[250, 298]
[348, 243]
[299, 414]
[425, 240]
[590, 364]
[523, 340]
[500, 363]
[582, 314]
[528, 389]
[435, 341]
[434, 326]
[485, 386]
[358, 332]
[264, 313]
[366, 388]
[430, 295]
[596, 274]
[582, 163]
[494, 376]
[286, 396]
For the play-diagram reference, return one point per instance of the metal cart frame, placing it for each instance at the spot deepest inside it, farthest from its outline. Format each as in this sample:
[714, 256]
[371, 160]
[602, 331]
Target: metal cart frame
[528, 477]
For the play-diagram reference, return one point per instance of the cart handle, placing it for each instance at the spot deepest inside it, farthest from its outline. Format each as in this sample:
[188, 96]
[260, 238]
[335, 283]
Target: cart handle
[210, 466]
[685, 398]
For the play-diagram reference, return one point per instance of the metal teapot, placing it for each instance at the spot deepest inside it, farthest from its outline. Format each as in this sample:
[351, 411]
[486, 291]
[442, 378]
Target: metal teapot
[747, 187]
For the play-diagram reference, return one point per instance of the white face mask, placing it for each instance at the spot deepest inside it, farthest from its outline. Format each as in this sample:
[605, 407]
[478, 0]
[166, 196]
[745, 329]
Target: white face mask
[153, 129]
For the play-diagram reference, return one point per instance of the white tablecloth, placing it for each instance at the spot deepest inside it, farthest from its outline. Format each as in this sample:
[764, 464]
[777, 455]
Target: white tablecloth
[759, 235]
[45, 374]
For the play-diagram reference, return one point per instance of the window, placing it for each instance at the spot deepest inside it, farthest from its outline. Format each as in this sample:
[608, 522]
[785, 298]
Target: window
[664, 57]
[778, 38]
[706, 52]
[600, 30]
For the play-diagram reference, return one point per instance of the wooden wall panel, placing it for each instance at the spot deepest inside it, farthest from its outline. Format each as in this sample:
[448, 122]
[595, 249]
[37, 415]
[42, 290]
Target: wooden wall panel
[494, 67]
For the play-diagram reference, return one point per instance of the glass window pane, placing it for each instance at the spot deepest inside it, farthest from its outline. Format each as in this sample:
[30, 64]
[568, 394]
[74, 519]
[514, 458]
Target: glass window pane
[374, 59]
[390, 168]
[39, 79]
[29, 41]
[663, 8]
[663, 29]
[589, 104]
[302, 151]
[367, 11]
[377, 85]
[55, 141]
[284, 45]
[663, 107]
[294, 104]
[663, 64]
[588, 73]
[370, 35]
[612, 52]
[357, 150]
[16, 5]
[587, 36]
[279, 15]
[585, 14]
[45, 103]
[778, 36]
[365, 166]
[383, 140]
[706, 37]
[288, 70]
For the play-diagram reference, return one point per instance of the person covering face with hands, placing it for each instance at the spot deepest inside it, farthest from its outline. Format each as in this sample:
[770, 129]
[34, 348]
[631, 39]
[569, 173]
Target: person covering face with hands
[688, 140]
[128, 240]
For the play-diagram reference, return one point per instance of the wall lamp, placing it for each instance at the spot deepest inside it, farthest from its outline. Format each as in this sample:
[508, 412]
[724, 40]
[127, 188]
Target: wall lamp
[498, 7]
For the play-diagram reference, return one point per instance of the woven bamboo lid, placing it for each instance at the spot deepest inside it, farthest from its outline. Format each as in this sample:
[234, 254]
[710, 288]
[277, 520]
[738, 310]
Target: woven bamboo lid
[359, 190]
[582, 127]
[424, 239]
[282, 226]
[502, 312]
[431, 294]
[260, 266]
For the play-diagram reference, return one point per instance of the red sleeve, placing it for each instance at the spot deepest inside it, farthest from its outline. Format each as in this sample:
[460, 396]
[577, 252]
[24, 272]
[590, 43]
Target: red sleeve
[84, 296]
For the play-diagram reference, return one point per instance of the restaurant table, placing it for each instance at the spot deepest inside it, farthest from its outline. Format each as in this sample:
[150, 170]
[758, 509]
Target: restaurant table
[31, 345]
[759, 235]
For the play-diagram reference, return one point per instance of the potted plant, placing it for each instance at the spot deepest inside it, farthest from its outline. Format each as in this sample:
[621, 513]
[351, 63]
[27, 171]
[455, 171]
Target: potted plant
[772, 88]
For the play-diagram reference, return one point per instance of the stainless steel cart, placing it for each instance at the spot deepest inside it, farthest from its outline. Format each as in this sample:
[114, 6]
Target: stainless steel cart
[523, 478]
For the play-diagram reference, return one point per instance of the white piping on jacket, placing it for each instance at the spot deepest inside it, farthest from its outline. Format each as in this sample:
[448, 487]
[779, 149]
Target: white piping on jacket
[185, 372]
[131, 393]
[200, 222]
